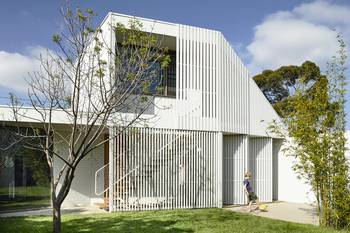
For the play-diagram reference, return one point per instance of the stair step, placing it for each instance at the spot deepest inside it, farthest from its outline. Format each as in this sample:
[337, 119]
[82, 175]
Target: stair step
[104, 206]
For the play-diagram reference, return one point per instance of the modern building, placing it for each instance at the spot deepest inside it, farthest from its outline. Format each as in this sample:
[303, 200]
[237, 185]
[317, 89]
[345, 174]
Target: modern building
[211, 128]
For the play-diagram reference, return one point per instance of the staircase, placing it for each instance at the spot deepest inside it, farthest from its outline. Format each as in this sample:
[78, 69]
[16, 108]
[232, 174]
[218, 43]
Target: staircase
[104, 205]
[126, 184]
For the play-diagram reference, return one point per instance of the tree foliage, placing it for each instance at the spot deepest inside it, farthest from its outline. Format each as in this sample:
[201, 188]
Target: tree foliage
[281, 84]
[313, 127]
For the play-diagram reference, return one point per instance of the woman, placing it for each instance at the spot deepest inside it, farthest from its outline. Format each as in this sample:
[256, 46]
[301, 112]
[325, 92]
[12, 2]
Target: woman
[249, 191]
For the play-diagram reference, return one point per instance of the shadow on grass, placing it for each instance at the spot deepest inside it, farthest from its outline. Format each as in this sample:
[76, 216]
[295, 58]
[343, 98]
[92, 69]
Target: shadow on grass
[205, 220]
[92, 224]
[124, 225]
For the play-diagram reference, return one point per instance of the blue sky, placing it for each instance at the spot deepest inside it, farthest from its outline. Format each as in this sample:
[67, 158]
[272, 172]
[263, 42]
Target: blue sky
[266, 34]
[38, 19]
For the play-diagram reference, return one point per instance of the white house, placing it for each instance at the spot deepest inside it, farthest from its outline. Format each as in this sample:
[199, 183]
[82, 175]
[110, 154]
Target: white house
[194, 151]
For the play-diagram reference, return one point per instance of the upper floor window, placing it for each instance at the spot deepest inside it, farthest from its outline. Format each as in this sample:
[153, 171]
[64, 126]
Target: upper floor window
[168, 77]
[164, 78]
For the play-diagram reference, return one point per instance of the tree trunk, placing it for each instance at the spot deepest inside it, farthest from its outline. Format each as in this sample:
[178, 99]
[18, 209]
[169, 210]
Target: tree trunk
[56, 208]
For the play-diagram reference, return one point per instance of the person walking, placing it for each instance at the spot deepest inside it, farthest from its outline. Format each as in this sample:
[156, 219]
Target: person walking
[252, 197]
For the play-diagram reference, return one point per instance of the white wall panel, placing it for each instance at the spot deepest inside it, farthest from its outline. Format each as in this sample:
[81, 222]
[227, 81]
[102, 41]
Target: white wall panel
[262, 113]
[235, 156]
[82, 189]
[212, 83]
[260, 164]
[290, 187]
[234, 90]
[197, 79]
[149, 25]
[213, 88]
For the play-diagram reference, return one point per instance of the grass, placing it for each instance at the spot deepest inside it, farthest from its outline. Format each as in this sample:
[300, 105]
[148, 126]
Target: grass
[199, 220]
[25, 198]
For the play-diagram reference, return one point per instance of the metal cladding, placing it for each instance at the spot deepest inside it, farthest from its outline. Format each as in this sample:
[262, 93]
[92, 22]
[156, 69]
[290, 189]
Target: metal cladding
[260, 164]
[215, 131]
[235, 153]
[165, 169]
[212, 83]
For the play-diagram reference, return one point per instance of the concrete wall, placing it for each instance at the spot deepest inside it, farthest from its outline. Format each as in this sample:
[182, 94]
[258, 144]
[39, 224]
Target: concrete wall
[290, 188]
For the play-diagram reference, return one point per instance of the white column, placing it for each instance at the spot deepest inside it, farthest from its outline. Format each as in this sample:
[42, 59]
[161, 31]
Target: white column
[247, 160]
[111, 168]
[271, 169]
[220, 170]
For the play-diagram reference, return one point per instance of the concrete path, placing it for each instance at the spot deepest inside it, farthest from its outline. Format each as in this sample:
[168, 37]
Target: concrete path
[48, 211]
[292, 212]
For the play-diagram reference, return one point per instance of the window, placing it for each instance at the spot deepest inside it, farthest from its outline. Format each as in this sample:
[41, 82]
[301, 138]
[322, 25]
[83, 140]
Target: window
[24, 173]
[165, 78]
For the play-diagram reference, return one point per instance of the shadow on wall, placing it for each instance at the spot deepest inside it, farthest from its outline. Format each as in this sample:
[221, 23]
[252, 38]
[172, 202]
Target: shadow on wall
[83, 186]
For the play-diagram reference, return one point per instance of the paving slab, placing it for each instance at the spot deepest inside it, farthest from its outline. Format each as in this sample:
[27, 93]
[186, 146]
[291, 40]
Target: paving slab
[292, 212]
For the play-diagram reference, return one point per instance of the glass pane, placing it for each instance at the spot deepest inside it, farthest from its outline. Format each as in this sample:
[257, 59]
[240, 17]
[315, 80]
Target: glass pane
[24, 182]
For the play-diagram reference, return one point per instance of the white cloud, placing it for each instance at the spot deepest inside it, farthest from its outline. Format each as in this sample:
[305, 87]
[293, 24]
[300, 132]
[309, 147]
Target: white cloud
[14, 68]
[323, 12]
[304, 33]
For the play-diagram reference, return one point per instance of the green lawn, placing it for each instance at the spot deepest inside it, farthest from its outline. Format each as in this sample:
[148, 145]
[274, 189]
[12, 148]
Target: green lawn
[25, 198]
[200, 220]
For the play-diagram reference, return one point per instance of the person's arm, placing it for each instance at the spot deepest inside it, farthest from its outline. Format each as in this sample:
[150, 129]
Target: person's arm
[245, 187]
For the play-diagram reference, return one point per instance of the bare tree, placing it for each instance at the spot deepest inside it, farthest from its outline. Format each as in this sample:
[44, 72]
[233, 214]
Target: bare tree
[94, 85]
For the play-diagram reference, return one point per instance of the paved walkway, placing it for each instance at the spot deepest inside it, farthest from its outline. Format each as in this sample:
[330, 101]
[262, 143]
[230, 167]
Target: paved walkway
[292, 212]
[48, 211]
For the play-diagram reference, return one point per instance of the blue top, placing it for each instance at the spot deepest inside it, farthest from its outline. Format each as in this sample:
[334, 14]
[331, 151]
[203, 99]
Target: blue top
[246, 183]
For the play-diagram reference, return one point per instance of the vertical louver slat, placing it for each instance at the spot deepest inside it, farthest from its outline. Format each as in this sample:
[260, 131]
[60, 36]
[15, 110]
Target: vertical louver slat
[235, 156]
[261, 166]
[164, 168]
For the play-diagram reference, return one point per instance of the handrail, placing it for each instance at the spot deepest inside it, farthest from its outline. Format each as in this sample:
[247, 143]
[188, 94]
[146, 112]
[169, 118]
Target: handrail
[120, 179]
[96, 175]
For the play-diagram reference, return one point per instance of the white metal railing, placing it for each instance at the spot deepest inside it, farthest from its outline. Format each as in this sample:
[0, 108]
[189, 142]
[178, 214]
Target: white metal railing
[120, 179]
[100, 173]
[97, 173]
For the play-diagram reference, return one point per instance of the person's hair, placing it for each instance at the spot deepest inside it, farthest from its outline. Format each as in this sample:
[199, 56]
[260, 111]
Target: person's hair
[248, 174]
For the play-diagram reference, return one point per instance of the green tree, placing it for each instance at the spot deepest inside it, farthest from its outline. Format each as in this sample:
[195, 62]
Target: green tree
[313, 127]
[280, 84]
